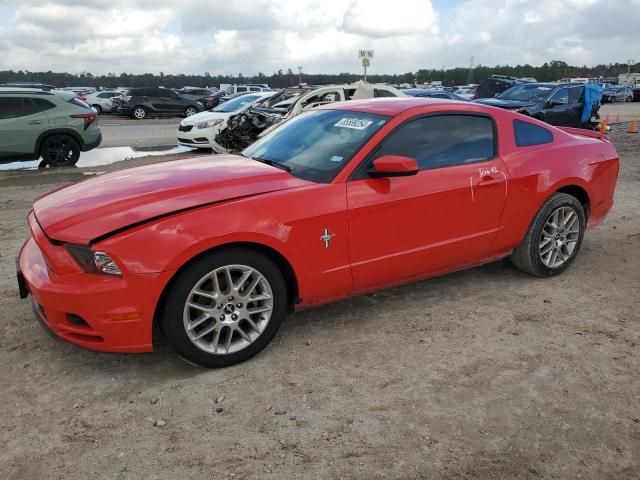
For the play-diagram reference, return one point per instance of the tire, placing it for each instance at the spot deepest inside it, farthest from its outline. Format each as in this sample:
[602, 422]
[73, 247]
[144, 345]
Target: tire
[60, 151]
[98, 108]
[214, 320]
[532, 256]
[139, 113]
[190, 111]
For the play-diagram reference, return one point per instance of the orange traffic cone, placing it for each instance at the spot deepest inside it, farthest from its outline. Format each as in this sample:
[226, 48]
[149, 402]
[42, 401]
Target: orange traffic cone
[634, 126]
[603, 125]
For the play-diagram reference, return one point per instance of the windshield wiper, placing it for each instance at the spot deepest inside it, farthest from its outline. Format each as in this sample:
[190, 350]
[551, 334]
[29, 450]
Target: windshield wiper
[281, 166]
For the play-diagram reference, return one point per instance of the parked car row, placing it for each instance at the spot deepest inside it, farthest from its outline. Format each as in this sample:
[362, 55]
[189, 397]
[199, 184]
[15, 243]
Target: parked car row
[619, 93]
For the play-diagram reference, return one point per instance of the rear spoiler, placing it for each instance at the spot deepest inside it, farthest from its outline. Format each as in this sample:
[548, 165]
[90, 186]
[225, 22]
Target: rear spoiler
[584, 132]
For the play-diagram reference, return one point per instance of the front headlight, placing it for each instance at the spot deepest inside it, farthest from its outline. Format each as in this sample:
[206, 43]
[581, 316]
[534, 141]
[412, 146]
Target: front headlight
[93, 262]
[210, 123]
[105, 264]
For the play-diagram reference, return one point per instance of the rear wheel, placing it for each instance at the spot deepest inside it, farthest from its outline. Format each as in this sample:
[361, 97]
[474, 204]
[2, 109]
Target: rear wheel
[60, 151]
[553, 239]
[225, 307]
[139, 113]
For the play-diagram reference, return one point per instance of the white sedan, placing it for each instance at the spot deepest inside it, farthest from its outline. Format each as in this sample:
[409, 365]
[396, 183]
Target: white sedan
[200, 130]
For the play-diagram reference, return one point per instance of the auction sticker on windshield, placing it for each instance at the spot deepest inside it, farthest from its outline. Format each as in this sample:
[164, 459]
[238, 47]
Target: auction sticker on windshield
[354, 123]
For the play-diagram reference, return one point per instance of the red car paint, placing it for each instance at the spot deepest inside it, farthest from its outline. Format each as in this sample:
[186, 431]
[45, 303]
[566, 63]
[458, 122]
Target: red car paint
[152, 220]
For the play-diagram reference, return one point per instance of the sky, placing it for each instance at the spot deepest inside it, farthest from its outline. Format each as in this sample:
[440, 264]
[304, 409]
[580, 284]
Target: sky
[322, 36]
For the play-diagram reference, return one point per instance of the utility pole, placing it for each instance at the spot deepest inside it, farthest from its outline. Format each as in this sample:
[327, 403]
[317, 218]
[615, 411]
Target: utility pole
[629, 62]
[299, 75]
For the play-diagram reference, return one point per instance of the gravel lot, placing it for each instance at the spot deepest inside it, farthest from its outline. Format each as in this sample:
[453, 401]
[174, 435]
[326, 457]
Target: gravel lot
[486, 373]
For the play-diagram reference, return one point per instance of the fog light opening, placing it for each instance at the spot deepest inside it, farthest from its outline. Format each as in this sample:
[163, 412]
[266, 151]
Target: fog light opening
[74, 319]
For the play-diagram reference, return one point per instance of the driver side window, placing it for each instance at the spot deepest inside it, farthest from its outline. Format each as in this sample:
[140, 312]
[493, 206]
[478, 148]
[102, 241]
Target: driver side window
[561, 96]
[442, 141]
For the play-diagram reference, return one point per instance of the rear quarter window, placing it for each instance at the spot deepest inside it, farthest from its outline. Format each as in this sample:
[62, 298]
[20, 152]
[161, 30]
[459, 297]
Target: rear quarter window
[80, 103]
[528, 134]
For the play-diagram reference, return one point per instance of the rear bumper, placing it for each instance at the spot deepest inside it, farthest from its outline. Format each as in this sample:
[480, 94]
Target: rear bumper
[94, 311]
[93, 144]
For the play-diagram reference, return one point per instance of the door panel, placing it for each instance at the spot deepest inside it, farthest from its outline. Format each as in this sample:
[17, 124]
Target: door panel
[18, 135]
[435, 221]
[558, 114]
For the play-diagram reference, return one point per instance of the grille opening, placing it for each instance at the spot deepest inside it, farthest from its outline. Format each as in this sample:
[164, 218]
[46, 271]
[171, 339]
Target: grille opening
[74, 319]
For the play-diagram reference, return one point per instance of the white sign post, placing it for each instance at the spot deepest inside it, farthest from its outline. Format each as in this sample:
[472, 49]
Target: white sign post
[365, 56]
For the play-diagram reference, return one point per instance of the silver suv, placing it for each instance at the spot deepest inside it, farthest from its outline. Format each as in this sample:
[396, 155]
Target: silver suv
[52, 124]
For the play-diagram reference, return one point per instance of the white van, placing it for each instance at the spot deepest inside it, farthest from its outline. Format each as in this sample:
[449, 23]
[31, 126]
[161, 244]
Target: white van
[233, 89]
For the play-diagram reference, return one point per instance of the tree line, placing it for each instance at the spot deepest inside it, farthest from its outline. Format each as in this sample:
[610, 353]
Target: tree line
[550, 71]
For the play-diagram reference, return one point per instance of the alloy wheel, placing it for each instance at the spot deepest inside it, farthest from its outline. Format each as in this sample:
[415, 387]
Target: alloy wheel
[59, 152]
[228, 309]
[139, 113]
[190, 111]
[559, 237]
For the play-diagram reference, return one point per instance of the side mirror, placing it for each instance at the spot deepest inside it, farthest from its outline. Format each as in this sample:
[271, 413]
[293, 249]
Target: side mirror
[393, 166]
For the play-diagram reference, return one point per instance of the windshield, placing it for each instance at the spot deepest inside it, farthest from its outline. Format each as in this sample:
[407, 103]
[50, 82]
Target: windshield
[526, 93]
[317, 144]
[237, 103]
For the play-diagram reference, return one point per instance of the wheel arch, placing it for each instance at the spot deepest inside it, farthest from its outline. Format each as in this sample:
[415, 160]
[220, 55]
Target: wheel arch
[57, 131]
[579, 193]
[278, 258]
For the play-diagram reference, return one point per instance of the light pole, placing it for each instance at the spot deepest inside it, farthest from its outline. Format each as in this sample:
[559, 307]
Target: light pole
[299, 75]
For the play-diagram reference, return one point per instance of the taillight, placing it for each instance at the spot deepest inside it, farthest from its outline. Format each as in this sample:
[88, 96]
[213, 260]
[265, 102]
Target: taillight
[89, 118]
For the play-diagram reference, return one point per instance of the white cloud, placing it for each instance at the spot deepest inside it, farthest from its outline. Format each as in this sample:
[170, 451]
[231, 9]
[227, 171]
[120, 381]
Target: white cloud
[248, 36]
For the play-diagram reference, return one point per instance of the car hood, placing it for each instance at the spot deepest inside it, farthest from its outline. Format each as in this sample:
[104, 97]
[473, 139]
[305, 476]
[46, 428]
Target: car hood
[85, 211]
[205, 117]
[509, 104]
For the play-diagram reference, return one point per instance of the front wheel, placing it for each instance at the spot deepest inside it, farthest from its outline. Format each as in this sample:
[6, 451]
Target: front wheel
[60, 151]
[98, 109]
[553, 239]
[190, 111]
[225, 307]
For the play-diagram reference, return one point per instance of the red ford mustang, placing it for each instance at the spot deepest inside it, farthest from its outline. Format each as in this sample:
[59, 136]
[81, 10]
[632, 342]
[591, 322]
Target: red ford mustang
[354, 197]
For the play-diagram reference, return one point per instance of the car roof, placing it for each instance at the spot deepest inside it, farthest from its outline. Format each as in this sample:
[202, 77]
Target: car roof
[36, 91]
[388, 105]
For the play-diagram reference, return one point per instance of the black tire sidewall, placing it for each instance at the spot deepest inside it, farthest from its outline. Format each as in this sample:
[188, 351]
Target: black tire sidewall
[556, 201]
[172, 312]
[75, 146]
[98, 109]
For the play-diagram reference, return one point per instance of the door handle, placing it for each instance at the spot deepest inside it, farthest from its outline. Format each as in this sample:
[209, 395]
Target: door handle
[35, 122]
[489, 180]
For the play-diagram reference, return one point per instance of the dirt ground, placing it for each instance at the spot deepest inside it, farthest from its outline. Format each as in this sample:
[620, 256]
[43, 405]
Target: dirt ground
[486, 373]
